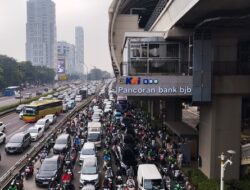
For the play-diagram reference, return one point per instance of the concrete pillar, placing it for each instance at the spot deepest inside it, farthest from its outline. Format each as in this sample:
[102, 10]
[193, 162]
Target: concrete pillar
[156, 108]
[219, 131]
[173, 109]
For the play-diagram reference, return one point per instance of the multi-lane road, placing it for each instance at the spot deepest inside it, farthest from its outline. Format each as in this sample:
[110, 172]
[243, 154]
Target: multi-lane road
[14, 125]
[8, 100]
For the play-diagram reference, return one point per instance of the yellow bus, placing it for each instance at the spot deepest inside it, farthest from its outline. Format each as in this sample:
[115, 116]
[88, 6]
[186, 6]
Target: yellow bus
[38, 109]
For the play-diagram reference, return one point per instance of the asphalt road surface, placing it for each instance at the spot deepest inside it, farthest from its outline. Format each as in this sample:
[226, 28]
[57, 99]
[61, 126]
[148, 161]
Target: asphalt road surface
[14, 125]
[8, 100]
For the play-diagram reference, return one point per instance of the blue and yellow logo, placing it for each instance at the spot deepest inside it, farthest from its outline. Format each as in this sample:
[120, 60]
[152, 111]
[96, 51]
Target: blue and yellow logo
[137, 80]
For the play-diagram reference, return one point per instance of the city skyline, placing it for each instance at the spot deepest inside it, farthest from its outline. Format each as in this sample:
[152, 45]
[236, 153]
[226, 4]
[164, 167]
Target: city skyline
[91, 15]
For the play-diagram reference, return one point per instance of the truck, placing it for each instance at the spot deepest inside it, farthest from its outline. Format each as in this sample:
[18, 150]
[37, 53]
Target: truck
[83, 92]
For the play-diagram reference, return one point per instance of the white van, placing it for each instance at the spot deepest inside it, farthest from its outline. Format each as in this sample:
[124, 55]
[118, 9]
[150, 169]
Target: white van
[94, 133]
[149, 177]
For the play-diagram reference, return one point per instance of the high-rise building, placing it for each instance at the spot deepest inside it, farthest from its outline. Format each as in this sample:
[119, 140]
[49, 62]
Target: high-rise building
[41, 33]
[66, 54]
[79, 42]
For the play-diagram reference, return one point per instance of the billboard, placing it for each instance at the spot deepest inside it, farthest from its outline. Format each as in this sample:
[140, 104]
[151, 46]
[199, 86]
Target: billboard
[155, 86]
[61, 66]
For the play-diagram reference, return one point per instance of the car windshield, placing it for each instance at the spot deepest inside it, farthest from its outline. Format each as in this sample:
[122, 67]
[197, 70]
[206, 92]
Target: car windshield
[153, 184]
[61, 141]
[93, 136]
[87, 152]
[48, 167]
[49, 116]
[33, 130]
[40, 122]
[16, 139]
[89, 170]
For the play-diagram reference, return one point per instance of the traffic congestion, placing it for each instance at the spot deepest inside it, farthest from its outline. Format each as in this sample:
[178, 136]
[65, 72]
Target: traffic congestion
[109, 144]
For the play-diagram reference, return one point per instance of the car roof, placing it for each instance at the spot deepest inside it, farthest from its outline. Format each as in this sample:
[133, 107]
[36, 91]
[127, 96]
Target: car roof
[51, 159]
[90, 161]
[63, 136]
[88, 145]
[149, 171]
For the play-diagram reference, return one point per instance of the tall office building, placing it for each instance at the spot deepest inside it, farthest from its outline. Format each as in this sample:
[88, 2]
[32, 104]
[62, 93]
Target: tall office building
[41, 33]
[79, 43]
[66, 55]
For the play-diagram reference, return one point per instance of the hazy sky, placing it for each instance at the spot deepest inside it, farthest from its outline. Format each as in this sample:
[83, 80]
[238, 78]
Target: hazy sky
[92, 15]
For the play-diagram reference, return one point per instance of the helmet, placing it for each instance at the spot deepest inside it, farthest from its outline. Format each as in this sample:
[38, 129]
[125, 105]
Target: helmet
[119, 177]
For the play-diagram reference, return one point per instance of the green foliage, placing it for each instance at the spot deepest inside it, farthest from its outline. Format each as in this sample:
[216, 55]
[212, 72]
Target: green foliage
[201, 182]
[13, 73]
[98, 74]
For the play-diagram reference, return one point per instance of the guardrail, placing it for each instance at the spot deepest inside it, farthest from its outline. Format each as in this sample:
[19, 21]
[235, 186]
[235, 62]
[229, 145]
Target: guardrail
[20, 164]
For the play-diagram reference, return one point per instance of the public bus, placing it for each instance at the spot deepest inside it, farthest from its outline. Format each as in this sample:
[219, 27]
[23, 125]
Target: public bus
[38, 109]
[11, 90]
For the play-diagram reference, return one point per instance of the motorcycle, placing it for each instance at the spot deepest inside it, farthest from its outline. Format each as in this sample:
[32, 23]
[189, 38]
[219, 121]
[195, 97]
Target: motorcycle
[67, 177]
[130, 184]
[43, 155]
[107, 184]
[28, 171]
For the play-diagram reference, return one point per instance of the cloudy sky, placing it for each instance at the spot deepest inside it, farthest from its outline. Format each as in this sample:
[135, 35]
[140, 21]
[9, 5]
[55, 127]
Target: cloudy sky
[92, 15]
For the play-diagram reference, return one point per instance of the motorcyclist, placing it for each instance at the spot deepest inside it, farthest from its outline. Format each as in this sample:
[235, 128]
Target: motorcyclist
[12, 186]
[19, 180]
[130, 182]
[67, 176]
[30, 165]
[77, 142]
[69, 186]
[119, 171]
[53, 184]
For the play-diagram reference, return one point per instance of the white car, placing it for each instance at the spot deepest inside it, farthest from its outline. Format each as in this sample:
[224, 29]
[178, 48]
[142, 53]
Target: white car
[43, 123]
[96, 118]
[36, 133]
[2, 127]
[2, 137]
[52, 118]
[78, 98]
[98, 112]
[106, 110]
[21, 115]
[89, 172]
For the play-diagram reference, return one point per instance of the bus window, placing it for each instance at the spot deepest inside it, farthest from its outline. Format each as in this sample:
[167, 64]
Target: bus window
[29, 111]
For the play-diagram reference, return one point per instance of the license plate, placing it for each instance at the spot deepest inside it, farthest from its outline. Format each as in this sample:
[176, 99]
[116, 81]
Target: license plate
[46, 183]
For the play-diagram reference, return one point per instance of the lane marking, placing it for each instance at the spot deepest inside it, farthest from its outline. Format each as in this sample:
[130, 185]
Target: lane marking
[7, 116]
[19, 130]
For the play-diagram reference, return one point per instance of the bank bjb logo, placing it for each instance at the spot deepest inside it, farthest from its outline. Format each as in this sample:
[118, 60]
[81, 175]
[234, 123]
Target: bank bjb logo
[137, 80]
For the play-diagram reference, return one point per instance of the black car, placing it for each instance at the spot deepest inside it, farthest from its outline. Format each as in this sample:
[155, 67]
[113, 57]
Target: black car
[62, 144]
[18, 143]
[51, 169]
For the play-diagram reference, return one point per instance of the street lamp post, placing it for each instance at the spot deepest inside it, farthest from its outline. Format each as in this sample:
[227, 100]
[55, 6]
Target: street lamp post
[223, 165]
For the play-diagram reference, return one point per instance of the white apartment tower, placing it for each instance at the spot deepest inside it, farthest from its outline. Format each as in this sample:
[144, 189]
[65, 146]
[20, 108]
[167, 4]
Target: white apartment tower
[41, 33]
[79, 43]
[67, 52]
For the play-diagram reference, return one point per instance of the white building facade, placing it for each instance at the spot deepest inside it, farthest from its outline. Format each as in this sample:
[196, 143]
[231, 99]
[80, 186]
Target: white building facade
[66, 51]
[79, 42]
[41, 33]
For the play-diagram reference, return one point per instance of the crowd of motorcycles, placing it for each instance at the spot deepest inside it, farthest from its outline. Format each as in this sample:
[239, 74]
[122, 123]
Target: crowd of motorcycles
[126, 143]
